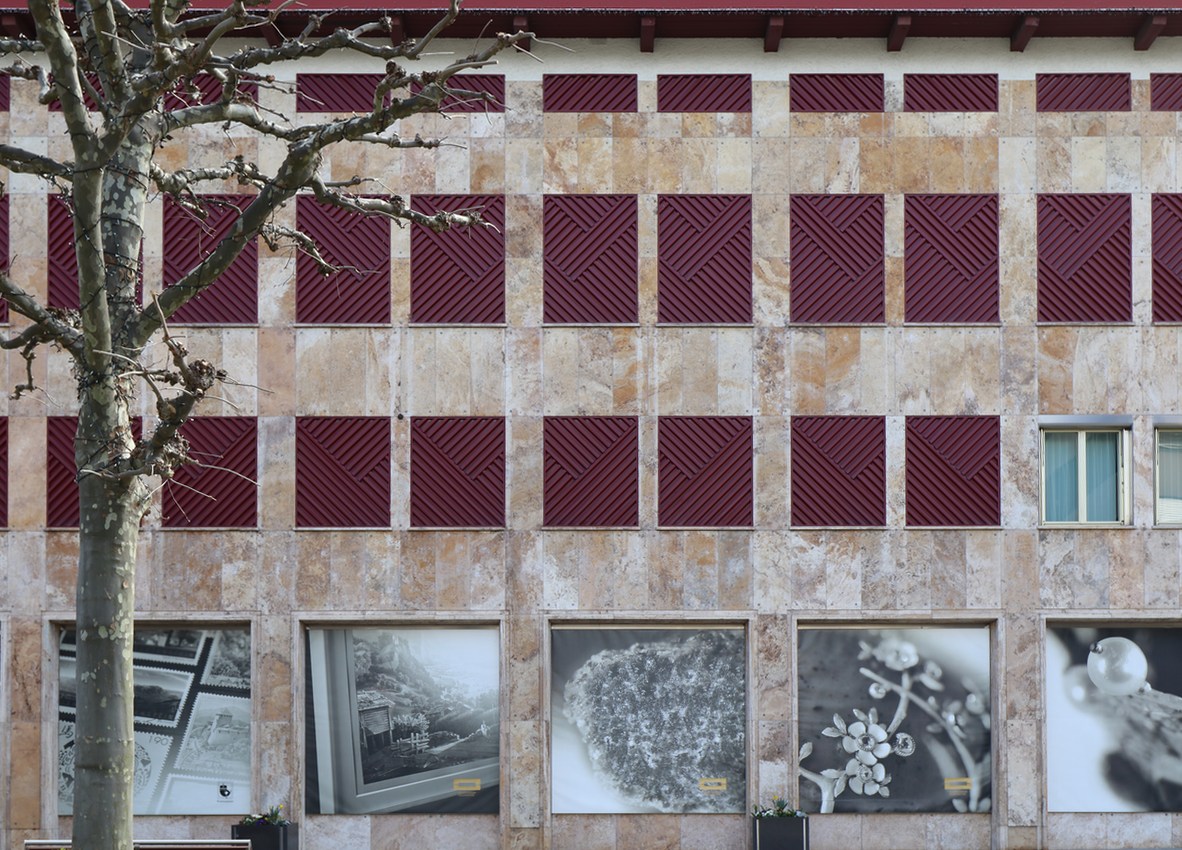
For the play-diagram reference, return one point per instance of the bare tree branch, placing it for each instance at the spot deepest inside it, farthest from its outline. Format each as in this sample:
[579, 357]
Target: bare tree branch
[26, 162]
[55, 324]
[63, 62]
[96, 21]
[9, 46]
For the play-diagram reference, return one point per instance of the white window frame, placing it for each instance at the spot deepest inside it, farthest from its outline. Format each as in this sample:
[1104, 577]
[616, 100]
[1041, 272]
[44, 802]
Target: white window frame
[1157, 500]
[1124, 477]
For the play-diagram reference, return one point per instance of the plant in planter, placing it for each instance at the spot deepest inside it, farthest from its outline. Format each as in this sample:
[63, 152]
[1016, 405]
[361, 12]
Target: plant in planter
[268, 830]
[779, 827]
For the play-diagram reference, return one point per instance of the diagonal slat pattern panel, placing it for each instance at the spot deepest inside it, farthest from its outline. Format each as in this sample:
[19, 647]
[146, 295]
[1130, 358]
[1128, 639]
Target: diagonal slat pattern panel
[1085, 258]
[838, 470]
[360, 244]
[590, 471]
[703, 92]
[61, 478]
[836, 92]
[1165, 92]
[342, 472]
[837, 263]
[1083, 92]
[5, 254]
[1167, 258]
[589, 93]
[5, 93]
[3, 471]
[205, 89]
[62, 273]
[492, 85]
[951, 258]
[589, 258]
[188, 240]
[458, 276]
[335, 92]
[704, 259]
[220, 493]
[953, 474]
[705, 471]
[950, 92]
[457, 471]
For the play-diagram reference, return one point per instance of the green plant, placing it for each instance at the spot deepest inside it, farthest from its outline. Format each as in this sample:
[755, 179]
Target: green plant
[778, 809]
[273, 816]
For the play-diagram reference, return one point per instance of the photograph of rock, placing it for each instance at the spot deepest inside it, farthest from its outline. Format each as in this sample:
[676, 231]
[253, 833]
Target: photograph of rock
[894, 719]
[648, 720]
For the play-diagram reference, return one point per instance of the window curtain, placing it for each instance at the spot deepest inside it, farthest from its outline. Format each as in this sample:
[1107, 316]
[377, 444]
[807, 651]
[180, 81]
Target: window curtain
[1103, 476]
[1061, 470]
[1169, 476]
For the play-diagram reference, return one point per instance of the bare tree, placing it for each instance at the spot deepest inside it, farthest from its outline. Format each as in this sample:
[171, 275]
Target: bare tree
[131, 63]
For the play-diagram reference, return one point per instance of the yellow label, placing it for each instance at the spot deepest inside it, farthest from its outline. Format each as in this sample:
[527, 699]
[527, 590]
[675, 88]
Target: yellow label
[465, 786]
[712, 783]
[958, 783]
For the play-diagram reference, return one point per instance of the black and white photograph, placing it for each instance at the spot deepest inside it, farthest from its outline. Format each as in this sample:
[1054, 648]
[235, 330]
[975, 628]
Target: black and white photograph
[894, 719]
[648, 720]
[404, 719]
[217, 738]
[1114, 718]
[229, 660]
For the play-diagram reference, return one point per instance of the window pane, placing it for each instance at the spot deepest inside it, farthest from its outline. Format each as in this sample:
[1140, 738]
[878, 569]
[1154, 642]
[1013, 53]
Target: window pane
[1061, 460]
[1103, 474]
[1169, 476]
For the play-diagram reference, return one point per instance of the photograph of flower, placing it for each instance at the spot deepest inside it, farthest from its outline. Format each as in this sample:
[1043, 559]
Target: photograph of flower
[894, 719]
[1114, 719]
[648, 720]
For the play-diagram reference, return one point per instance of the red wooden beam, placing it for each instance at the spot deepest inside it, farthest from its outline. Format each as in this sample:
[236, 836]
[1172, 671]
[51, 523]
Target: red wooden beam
[775, 32]
[10, 26]
[1023, 33]
[1150, 29]
[521, 24]
[899, 30]
[648, 33]
[397, 31]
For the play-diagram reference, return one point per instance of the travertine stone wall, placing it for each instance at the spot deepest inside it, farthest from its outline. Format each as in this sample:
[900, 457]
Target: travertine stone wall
[769, 578]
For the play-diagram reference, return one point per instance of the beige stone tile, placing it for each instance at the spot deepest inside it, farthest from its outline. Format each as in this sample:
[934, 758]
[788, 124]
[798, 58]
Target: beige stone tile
[26, 453]
[947, 165]
[713, 832]
[842, 369]
[652, 832]
[24, 802]
[889, 833]
[1056, 353]
[583, 832]
[1065, 831]
[835, 832]
[417, 574]
[773, 571]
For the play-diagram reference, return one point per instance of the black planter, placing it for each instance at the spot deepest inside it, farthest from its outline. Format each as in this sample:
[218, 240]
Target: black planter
[267, 836]
[780, 833]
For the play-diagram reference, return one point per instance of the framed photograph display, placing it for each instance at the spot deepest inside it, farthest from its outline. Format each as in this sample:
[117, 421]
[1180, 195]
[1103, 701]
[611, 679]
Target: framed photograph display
[1114, 718]
[894, 719]
[192, 723]
[648, 719]
[403, 719]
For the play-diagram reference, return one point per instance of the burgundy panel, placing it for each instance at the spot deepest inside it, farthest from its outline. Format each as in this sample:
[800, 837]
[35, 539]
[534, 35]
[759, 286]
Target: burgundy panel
[590, 475]
[3, 471]
[457, 471]
[703, 92]
[1167, 258]
[1084, 258]
[205, 89]
[55, 105]
[837, 271]
[358, 294]
[589, 93]
[1083, 92]
[221, 493]
[62, 273]
[951, 258]
[589, 258]
[1165, 92]
[458, 276]
[705, 471]
[492, 85]
[950, 92]
[61, 485]
[4, 253]
[188, 240]
[704, 258]
[953, 470]
[836, 92]
[5, 104]
[838, 470]
[342, 472]
[336, 92]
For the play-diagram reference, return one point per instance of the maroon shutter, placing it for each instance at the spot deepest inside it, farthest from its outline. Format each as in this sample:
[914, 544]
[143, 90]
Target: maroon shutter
[704, 259]
[703, 92]
[233, 298]
[950, 92]
[589, 93]
[492, 85]
[336, 92]
[589, 258]
[206, 89]
[1165, 92]
[5, 102]
[360, 246]
[5, 255]
[458, 276]
[838, 470]
[62, 273]
[221, 492]
[1167, 258]
[705, 471]
[1085, 258]
[1083, 92]
[836, 92]
[953, 470]
[837, 259]
[3, 471]
[590, 475]
[55, 105]
[951, 258]
[342, 472]
[457, 471]
[61, 485]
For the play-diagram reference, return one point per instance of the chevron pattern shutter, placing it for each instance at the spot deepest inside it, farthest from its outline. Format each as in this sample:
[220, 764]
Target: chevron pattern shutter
[458, 276]
[590, 475]
[63, 263]
[5, 101]
[1083, 92]
[950, 92]
[1165, 92]
[589, 258]
[222, 492]
[457, 472]
[3, 471]
[336, 92]
[342, 472]
[358, 294]
[61, 486]
[5, 255]
[704, 259]
[492, 85]
[705, 471]
[703, 92]
[837, 271]
[1085, 258]
[589, 93]
[55, 105]
[951, 258]
[1167, 258]
[205, 89]
[836, 92]
[953, 470]
[188, 240]
[838, 471]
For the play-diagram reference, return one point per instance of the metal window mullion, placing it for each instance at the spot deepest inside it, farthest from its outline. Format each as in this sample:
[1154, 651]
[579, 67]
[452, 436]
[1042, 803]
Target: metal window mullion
[1081, 454]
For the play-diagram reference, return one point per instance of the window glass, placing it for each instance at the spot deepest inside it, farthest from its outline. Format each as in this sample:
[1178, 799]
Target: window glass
[1169, 476]
[1103, 476]
[1061, 477]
